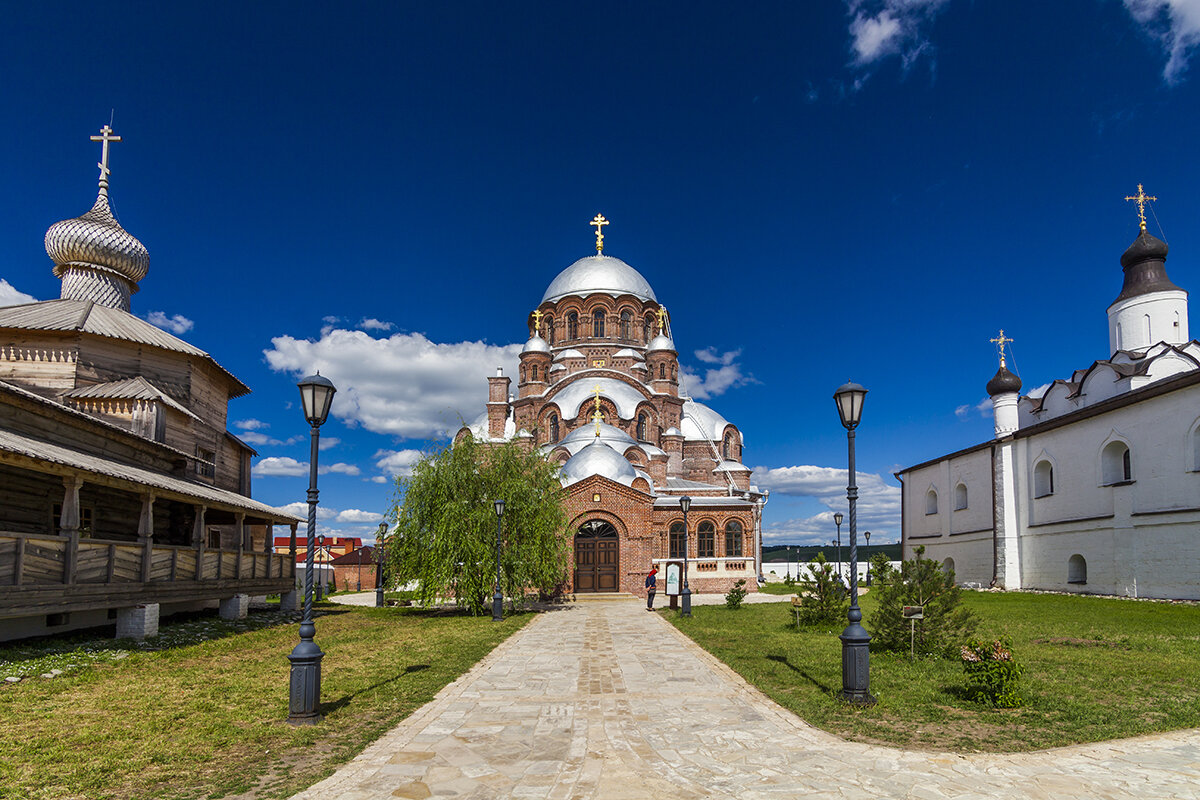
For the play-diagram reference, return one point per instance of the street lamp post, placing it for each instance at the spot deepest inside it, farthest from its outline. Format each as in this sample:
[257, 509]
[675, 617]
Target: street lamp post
[304, 698]
[856, 658]
[685, 503]
[321, 590]
[498, 597]
[383, 526]
[867, 534]
[359, 589]
[837, 520]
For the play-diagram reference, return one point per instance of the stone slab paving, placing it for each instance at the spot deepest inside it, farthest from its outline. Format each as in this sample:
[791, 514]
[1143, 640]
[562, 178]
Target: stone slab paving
[604, 700]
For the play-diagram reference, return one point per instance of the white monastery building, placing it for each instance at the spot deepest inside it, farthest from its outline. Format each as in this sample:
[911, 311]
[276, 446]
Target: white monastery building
[1092, 485]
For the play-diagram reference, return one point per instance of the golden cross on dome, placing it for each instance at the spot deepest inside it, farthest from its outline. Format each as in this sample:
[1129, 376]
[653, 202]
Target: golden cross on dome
[1002, 340]
[598, 221]
[106, 136]
[537, 322]
[1140, 198]
[597, 416]
[662, 320]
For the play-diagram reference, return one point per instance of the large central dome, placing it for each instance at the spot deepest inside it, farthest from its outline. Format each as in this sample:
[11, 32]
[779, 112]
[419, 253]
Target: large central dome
[599, 274]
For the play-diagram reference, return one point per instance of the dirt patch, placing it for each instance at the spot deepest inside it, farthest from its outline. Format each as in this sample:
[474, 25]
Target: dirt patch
[1071, 641]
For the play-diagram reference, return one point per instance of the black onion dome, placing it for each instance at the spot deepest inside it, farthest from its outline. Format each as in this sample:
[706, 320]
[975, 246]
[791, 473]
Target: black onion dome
[1003, 382]
[1145, 266]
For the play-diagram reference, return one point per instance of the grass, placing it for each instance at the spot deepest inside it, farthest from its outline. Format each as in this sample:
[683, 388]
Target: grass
[202, 713]
[780, 588]
[1096, 669]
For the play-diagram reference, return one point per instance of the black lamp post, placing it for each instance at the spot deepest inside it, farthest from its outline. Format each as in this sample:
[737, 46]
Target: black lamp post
[867, 534]
[856, 658]
[498, 597]
[316, 396]
[359, 589]
[383, 526]
[321, 590]
[685, 503]
[837, 520]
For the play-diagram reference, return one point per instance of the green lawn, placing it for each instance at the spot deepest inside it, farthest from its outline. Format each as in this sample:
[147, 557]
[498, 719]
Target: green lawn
[1096, 668]
[207, 719]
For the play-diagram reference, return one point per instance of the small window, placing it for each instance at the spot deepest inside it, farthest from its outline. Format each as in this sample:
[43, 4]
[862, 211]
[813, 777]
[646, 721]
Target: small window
[553, 428]
[646, 328]
[960, 497]
[626, 324]
[533, 372]
[706, 535]
[931, 502]
[1115, 463]
[205, 467]
[662, 371]
[948, 568]
[598, 323]
[641, 428]
[1196, 449]
[214, 539]
[727, 446]
[550, 330]
[86, 517]
[677, 540]
[1043, 479]
[733, 538]
[572, 325]
[1077, 569]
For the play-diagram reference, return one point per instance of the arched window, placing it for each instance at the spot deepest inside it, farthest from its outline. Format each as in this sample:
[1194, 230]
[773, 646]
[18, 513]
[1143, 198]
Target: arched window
[533, 370]
[727, 446]
[1196, 449]
[626, 324]
[1120, 341]
[706, 540]
[1115, 464]
[1043, 479]
[674, 371]
[646, 328]
[598, 323]
[1146, 328]
[553, 428]
[931, 501]
[677, 540]
[960, 497]
[662, 370]
[641, 428]
[572, 325]
[733, 538]
[1077, 569]
[550, 330]
[948, 568]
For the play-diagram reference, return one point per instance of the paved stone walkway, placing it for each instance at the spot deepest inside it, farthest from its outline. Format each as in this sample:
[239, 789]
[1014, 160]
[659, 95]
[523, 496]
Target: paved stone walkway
[604, 700]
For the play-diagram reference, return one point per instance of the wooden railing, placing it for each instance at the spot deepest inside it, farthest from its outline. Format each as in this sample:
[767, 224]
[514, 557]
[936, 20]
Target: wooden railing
[38, 560]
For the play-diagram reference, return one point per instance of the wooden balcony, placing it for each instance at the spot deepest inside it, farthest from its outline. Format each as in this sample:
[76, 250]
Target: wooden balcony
[42, 574]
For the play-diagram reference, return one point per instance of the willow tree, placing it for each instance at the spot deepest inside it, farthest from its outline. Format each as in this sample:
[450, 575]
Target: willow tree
[444, 525]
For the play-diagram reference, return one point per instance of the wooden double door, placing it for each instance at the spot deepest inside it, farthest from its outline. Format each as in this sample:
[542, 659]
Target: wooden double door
[597, 557]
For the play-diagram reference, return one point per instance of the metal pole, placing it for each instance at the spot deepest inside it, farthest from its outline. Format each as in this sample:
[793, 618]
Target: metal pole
[687, 593]
[498, 597]
[856, 664]
[839, 538]
[305, 696]
[379, 571]
[360, 568]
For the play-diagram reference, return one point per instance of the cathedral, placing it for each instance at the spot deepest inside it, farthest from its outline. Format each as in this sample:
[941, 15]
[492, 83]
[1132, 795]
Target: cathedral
[599, 395]
[1091, 482]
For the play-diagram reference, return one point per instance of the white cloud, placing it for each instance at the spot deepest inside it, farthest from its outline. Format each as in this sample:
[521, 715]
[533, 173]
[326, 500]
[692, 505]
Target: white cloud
[10, 296]
[177, 324]
[403, 385]
[261, 439]
[355, 515]
[251, 424]
[300, 509]
[372, 324]
[379, 479]
[878, 505]
[984, 407]
[882, 28]
[328, 442]
[340, 468]
[718, 379]
[277, 466]
[1176, 25]
[396, 462]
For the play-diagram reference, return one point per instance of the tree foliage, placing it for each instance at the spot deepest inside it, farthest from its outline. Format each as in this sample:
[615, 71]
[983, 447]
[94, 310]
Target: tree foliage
[881, 569]
[921, 582]
[823, 598]
[444, 525]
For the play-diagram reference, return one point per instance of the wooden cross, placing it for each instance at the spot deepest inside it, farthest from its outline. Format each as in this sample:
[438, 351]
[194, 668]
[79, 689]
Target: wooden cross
[598, 221]
[1002, 340]
[106, 136]
[662, 320]
[1140, 198]
[537, 322]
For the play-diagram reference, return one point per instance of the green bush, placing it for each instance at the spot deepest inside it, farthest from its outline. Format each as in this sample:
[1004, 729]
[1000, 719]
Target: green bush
[921, 582]
[823, 598]
[735, 596]
[992, 673]
[881, 569]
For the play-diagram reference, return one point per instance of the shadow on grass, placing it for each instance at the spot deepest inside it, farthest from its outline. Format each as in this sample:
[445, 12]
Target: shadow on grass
[344, 700]
[802, 673]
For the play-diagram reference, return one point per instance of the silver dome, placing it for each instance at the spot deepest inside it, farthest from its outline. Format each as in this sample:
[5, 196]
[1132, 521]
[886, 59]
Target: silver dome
[661, 342]
[599, 274]
[97, 239]
[701, 423]
[597, 459]
[584, 435]
[536, 344]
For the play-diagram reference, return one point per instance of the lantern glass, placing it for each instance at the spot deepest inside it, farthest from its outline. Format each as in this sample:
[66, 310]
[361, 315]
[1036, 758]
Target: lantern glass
[685, 503]
[316, 397]
[849, 398]
[837, 518]
[499, 508]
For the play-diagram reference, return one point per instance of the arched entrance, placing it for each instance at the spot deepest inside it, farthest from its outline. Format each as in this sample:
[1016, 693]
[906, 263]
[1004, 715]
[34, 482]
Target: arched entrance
[596, 558]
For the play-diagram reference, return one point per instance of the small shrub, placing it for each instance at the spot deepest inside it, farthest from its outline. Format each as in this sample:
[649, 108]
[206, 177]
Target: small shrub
[921, 582]
[822, 596]
[992, 673]
[735, 596]
[881, 569]
[789, 580]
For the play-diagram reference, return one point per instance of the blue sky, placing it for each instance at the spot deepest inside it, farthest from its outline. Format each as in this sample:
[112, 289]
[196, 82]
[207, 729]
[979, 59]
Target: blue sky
[817, 191]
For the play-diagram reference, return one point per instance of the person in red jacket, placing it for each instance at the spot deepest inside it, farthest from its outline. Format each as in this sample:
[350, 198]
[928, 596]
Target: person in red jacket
[651, 585]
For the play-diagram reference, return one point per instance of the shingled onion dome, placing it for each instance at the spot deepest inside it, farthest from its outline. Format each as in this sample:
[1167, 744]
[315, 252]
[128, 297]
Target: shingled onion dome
[1003, 382]
[96, 258]
[1145, 268]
